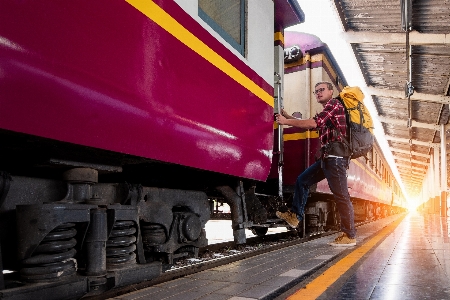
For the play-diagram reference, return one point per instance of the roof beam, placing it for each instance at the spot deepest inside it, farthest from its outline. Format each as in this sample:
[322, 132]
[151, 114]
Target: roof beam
[412, 178]
[408, 174]
[413, 123]
[414, 186]
[409, 166]
[414, 174]
[415, 178]
[412, 160]
[401, 95]
[415, 142]
[413, 183]
[410, 152]
[380, 38]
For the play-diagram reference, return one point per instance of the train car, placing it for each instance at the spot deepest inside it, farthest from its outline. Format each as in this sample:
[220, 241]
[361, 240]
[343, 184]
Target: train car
[373, 188]
[119, 121]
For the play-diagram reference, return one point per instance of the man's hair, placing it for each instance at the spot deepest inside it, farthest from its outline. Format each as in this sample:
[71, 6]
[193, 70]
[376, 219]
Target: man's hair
[329, 85]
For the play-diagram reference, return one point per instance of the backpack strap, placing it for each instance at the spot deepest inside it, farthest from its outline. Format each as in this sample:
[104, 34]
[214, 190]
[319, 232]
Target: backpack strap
[347, 122]
[358, 107]
[346, 140]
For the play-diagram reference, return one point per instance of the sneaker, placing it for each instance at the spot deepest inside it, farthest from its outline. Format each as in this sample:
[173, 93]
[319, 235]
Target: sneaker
[343, 241]
[289, 217]
[340, 234]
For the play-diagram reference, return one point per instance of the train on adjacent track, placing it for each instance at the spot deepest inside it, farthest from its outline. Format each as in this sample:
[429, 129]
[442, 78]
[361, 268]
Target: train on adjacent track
[121, 122]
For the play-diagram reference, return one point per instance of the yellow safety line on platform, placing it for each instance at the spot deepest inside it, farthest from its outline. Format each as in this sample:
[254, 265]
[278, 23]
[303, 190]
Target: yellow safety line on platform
[319, 285]
[172, 26]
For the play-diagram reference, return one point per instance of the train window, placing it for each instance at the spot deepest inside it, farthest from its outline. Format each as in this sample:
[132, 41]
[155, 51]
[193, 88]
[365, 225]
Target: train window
[379, 167]
[227, 18]
[375, 167]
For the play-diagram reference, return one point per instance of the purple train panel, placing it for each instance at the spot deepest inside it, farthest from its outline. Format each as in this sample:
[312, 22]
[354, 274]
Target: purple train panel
[104, 75]
[300, 147]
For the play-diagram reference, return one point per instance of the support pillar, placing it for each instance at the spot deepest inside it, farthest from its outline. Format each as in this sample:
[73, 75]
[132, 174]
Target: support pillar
[436, 182]
[443, 172]
[432, 183]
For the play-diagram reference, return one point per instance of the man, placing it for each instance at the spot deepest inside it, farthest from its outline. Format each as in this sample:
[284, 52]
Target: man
[332, 164]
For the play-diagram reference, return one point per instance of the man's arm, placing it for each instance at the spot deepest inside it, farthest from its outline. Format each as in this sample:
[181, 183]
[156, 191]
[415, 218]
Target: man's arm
[286, 115]
[305, 124]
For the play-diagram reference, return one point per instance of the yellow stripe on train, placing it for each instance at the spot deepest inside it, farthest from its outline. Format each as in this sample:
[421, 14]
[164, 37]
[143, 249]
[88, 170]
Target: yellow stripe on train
[172, 26]
[300, 135]
[278, 36]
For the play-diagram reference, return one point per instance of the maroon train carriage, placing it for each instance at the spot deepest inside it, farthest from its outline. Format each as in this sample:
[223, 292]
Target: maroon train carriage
[118, 120]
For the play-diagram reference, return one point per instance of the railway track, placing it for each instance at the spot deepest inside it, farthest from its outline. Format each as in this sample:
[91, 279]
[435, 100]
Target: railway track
[220, 254]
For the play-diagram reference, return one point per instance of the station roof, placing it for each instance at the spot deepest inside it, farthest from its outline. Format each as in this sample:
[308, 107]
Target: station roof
[374, 30]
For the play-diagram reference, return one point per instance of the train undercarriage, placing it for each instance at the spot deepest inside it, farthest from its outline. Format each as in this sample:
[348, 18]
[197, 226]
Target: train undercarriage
[75, 229]
[77, 221]
[79, 237]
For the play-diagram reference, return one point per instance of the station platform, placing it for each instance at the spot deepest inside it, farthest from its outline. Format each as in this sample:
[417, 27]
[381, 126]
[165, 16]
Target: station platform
[399, 257]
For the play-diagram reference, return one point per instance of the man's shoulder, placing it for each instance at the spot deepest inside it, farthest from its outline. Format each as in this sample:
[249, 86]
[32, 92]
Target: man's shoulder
[336, 101]
[333, 102]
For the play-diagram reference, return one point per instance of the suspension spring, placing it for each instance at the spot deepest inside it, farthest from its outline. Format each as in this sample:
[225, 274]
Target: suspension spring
[54, 256]
[121, 245]
[313, 220]
[152, 235]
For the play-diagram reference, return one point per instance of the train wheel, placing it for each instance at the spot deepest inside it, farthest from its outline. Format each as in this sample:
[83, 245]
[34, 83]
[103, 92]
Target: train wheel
[369, 212]
[259, 231]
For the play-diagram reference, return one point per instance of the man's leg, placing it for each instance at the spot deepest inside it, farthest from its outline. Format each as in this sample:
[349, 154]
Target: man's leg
[311, 175]
[335, 170]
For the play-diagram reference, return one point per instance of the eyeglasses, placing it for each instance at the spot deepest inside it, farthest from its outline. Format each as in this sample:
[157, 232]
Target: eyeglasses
[319, 91]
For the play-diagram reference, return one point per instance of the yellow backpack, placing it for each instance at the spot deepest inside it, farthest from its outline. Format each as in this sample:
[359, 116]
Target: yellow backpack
[352, 97]
[359, 121]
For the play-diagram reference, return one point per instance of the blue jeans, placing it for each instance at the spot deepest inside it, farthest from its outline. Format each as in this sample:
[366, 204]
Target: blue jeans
[335, 171]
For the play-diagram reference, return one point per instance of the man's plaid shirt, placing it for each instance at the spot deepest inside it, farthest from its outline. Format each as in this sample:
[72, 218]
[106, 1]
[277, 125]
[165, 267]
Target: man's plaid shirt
[332, 116]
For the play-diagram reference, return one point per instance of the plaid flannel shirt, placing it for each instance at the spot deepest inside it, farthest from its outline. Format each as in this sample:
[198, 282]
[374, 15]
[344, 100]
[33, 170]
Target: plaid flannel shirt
[332, 116]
